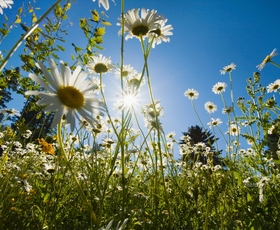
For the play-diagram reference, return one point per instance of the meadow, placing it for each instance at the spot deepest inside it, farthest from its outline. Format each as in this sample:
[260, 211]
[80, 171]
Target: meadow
[68, 163]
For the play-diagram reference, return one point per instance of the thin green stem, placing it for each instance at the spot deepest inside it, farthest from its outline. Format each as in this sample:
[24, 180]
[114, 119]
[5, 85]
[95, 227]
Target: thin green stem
[64, 155]
[273, 63]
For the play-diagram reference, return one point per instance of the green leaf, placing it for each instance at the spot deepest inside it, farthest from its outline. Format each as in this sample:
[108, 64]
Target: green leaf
[249, 198]
[61, 47]
[238, 177]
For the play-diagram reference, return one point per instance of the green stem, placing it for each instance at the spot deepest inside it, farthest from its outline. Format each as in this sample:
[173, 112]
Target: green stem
[275, 64]
[18, 43]
[205, 227]
[60, 143]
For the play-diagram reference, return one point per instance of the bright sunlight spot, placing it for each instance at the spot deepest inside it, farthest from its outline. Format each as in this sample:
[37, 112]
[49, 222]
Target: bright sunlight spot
[129, 100]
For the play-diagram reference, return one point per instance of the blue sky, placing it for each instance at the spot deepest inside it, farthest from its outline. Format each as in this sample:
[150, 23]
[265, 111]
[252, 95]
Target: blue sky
[207, 35]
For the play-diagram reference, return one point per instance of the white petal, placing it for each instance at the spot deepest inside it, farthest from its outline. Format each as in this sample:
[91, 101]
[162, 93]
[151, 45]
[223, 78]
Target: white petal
[56, 75]
[65, 74]
[41, 82]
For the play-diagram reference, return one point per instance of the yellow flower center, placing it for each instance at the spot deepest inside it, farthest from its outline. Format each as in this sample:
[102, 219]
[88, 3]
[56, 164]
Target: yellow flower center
[71, 97]
[125, 73]
[100, 68]
[140, 30]
[267, 59]
[276, 86]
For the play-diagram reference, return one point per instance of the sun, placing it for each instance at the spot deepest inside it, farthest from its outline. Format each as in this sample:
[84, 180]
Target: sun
[129, 100]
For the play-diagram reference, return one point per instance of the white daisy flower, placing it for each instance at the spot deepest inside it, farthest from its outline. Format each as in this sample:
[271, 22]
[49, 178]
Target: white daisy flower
[68, 94]
[228, 68]
[267, 59]
[127, 70]
[219, 87]
[100, 64]
[234, 130]
[161, 34]
[214, 122]
[273, 87]
[138, 27]
[191, 94]
[210, 107]
[227, 110]
[5, 4]
[10, 112]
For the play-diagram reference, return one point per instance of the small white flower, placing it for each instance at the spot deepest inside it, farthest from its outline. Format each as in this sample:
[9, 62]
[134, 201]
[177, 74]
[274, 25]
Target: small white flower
[100, 64]
[234, 130]
[191, 94]
[210, 107]
[11, 112]
[126, 71]
[267, 59]
[140, 27]
[161, 34]
[273, 87]
[228, 68]
[219, 87]
[270, 130]
[214, 122]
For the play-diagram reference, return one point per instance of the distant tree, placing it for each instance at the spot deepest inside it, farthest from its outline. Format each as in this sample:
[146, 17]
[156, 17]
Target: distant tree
[8, 84]
[197, 134]
[272, 140]
[33, 118]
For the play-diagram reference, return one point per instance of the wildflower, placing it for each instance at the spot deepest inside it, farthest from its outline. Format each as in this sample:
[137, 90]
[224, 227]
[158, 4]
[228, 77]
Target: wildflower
[228, 68]
[242, 151]
[11, 112]
[104, 3]
[161, 33]
[170, 135]
[234, 130]
[126, 71]
[100, 64]
[69, 94]
[273, 87]
[217, 168]
[214, 122]
[227, 110]
[153, 110]
[210, 107]
[26, 134]
[50, 168]
[267, 59]
[191, 94]
[245, 123]
[5, 4]
[46, 147]
[219, 87]
[27, 186]
[140, 27]
[250, 141]
[270, 130]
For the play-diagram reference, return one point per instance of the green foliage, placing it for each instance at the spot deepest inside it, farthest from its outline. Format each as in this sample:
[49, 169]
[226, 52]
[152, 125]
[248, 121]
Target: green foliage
[118, 174]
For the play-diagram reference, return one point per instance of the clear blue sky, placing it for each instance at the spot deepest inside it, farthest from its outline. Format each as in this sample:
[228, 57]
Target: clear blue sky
[207, 35]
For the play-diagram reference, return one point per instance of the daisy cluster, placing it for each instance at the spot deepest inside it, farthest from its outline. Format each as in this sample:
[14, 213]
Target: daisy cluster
[144, 24]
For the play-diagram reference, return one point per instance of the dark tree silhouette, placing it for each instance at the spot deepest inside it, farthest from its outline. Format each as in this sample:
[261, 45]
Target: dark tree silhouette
[197, 134]
[272, 141]
[33, 118]
[8, 84]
